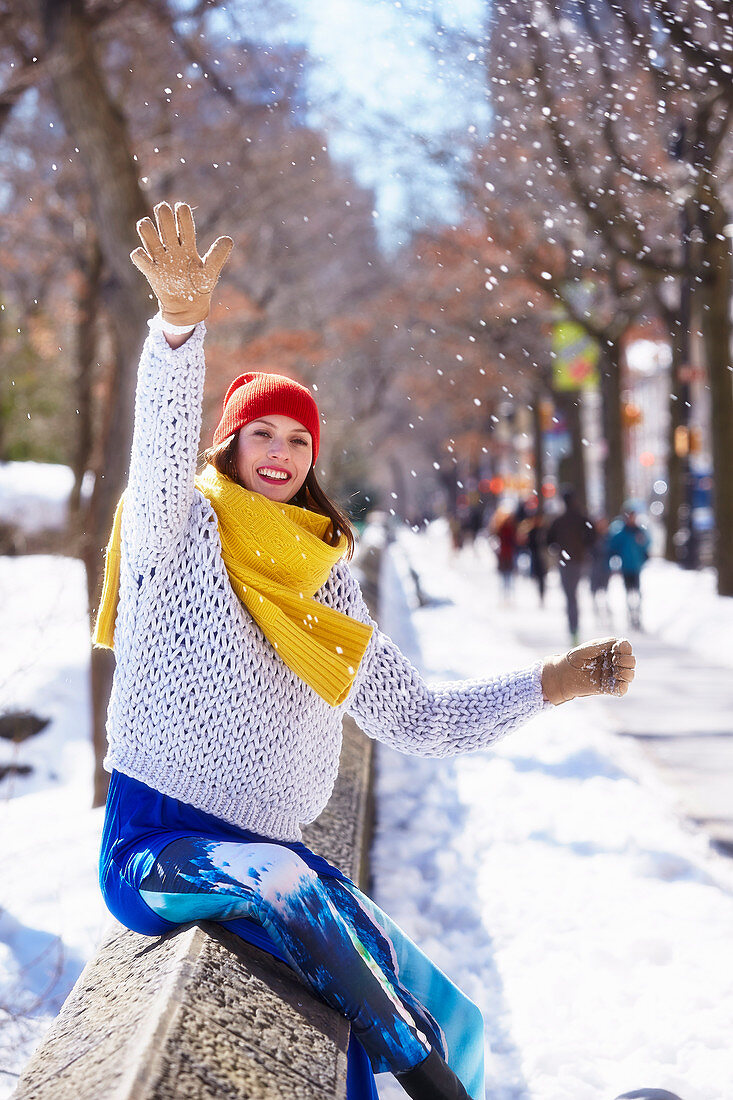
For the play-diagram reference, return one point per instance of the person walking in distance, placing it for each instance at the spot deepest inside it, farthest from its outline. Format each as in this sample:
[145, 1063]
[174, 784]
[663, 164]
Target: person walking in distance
[503, 527]
[241, 638]
[533, 534]
[600, 570]
[570, 537]
[629, 545]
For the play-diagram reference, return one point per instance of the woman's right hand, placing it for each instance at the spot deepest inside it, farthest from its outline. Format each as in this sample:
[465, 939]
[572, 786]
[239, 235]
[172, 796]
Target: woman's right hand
[181, 280]
[602, 667]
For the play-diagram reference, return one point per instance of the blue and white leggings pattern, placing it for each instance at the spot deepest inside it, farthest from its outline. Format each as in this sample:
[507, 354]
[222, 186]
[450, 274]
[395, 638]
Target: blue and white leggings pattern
[317, 923]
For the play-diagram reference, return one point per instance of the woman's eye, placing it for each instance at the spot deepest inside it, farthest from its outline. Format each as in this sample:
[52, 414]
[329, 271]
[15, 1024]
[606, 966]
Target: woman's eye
[302, 442]
[262, 432]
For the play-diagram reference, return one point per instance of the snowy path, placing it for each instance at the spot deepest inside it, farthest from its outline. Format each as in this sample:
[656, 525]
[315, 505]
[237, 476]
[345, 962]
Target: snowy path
[554, 878]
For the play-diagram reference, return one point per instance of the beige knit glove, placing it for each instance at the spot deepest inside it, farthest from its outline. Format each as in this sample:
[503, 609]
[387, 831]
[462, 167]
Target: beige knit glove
[182, 282]
[602, 667]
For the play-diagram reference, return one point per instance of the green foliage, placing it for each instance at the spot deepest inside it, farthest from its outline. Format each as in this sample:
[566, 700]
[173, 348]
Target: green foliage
[36, 400]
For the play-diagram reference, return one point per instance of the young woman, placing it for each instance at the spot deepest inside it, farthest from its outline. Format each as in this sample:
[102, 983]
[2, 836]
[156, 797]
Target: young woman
[241, 637]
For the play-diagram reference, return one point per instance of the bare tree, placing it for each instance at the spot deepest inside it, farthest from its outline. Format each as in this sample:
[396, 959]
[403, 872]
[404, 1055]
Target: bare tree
[614, 86]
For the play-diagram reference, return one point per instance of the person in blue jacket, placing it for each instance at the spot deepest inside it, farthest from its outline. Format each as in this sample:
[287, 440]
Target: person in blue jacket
[629, 545]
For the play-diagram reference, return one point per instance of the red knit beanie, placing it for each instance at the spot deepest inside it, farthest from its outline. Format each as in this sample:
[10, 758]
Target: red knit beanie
[254, 395]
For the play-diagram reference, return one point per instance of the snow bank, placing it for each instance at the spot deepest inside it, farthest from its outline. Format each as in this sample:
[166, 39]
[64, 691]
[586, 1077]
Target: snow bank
[34, 495]
[52, 914]
[44, 666]
[683, 607]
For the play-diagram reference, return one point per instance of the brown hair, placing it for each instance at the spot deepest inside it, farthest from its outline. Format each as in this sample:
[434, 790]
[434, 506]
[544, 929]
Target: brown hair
[310, 495]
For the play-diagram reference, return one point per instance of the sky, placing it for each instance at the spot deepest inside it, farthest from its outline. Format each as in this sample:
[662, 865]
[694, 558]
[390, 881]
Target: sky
[377, 68]
[378, 86]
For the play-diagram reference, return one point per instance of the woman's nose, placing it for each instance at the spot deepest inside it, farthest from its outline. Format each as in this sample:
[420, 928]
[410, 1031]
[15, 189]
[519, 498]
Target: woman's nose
[277, 449]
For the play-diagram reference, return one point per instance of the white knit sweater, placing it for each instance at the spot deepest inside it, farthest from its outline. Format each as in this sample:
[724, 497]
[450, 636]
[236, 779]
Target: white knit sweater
[202, 708]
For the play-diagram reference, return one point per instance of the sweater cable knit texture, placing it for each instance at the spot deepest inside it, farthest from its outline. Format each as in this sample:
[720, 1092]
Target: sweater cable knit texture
[202, 708]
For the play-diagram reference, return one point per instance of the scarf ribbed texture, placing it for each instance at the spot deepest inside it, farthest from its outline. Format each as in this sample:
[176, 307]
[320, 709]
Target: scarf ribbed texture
[277, 560]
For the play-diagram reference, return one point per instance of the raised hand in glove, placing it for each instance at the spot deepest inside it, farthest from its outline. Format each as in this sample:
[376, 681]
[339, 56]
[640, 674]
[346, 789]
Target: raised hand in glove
[602, 667]
[182, 281]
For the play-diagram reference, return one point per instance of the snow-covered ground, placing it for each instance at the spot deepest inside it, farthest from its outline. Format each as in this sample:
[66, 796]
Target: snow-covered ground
[34, 494]
[51, 911]
[552, 877]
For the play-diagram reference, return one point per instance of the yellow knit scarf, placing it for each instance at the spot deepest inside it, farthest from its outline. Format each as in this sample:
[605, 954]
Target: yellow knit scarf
[277, 560]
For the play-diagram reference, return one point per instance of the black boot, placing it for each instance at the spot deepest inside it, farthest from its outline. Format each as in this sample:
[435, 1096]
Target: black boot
[432, 1079]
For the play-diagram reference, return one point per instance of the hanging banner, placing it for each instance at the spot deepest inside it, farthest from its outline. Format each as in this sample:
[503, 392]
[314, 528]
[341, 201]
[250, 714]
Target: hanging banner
[575, 354]
[575, 357]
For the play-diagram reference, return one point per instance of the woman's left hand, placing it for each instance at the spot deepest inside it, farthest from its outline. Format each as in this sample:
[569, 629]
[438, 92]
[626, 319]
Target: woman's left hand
[181, 280]
[602, 667]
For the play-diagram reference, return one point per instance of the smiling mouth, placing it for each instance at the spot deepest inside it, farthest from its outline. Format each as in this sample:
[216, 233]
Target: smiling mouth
[268, 473]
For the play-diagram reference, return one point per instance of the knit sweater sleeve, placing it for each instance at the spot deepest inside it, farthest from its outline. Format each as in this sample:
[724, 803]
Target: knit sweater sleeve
[392, 702]
[165, 443]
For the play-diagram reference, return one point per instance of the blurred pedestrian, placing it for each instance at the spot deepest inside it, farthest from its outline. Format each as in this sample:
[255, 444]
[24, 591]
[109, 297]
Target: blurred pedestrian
[600, 569]
[504, 528]
[629, 544]
[532, 533]
[571, 536]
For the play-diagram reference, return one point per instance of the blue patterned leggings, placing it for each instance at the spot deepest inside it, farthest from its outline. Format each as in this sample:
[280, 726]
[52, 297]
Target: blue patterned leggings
[327, 937]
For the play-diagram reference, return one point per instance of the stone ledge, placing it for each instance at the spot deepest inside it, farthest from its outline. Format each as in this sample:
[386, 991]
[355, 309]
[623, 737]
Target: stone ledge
[199, 1014]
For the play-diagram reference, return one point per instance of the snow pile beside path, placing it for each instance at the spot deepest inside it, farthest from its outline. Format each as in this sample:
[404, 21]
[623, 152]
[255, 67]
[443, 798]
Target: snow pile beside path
[682, 606]
[51, 911]
[34, 495]
[44, 667]
[52, 915]
[552, 877]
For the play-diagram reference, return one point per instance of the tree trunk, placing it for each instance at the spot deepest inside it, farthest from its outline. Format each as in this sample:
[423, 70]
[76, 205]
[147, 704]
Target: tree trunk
[572, 465]
[675, 471]
[539, 448]
[87, 305]
[6, 404]
[716, 329]
[401, 505]
[614, 468]
[96, 127]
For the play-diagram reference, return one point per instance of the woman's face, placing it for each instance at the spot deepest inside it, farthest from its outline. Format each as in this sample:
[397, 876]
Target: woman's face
[274, 455]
